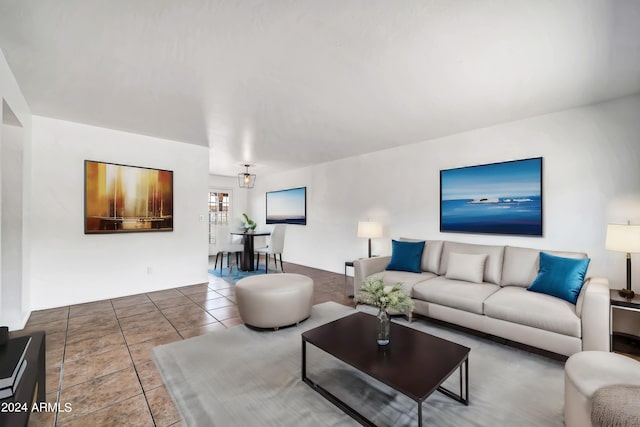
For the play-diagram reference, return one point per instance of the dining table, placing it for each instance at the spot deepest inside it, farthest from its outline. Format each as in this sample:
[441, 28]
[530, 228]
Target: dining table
[247, 262]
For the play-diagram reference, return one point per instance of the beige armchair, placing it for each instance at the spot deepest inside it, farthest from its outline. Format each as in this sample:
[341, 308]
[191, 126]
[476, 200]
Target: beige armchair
[588, 376]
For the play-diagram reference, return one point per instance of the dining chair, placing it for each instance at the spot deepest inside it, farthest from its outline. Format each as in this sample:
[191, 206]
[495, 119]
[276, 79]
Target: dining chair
[275, 247]
[227, 246]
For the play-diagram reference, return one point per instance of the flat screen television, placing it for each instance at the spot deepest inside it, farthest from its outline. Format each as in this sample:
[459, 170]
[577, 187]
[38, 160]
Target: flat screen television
[124, 199]
[287, 206]
[498, 198]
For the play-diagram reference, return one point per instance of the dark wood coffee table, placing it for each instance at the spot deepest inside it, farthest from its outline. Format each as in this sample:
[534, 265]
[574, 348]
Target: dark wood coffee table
[413, 363]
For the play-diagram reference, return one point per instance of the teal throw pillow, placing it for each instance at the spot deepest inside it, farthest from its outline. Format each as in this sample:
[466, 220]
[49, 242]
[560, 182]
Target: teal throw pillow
[560, 277]
[406, 256]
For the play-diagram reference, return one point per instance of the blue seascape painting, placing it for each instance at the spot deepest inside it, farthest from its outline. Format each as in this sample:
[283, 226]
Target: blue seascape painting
[499, 198]
[287, 206]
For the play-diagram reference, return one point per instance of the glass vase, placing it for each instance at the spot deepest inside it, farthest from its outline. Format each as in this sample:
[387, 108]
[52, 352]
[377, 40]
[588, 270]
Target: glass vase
[383, 327]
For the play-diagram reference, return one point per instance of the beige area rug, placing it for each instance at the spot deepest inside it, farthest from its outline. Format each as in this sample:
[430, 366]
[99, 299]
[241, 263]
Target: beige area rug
[242, 377]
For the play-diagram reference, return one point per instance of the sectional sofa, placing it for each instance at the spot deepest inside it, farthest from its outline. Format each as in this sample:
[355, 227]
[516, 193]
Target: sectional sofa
[485, 288]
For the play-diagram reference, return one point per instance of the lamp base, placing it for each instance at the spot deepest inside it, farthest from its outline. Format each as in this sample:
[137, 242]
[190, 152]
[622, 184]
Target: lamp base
[626, 293]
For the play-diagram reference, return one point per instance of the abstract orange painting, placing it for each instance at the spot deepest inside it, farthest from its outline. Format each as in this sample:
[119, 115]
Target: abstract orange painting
[120, 199]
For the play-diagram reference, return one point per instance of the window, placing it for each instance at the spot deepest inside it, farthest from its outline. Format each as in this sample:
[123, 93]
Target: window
[219, 211]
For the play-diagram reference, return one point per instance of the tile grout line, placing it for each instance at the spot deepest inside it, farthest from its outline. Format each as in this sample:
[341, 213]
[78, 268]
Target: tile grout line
[133, 363]
[127, 345]
[199, 306]
[91, 354]
[144, 392]
[64, 352]
[169, 320]
[338, 292]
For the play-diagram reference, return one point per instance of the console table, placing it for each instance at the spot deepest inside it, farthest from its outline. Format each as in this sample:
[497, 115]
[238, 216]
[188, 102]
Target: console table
[15, 410]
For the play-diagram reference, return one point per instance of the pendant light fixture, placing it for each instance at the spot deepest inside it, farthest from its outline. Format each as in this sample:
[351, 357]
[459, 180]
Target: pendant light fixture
[246, 179]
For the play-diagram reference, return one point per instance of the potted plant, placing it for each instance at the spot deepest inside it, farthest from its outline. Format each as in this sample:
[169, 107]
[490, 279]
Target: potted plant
[248, 224]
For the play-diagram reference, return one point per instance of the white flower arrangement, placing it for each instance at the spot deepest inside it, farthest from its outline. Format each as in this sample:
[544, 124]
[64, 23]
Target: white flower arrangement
[393, 298]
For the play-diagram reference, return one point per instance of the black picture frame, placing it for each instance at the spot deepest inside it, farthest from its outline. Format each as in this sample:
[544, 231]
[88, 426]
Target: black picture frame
[126, 199]
[287, 206]
[497, 198]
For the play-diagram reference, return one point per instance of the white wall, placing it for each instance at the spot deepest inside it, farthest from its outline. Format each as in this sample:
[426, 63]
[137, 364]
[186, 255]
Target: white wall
[69, 267]
[590, 177]
[11, 159]
[15, 137]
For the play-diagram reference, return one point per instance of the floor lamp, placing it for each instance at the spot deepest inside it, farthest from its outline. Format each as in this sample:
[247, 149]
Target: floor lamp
[624, 238]
[369, 230]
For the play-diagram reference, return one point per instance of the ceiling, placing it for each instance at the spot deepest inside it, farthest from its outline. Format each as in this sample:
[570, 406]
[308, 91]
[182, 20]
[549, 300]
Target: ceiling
[283, 84]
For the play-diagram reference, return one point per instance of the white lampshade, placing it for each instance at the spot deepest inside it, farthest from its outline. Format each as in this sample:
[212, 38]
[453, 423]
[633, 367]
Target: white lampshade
[369, 229]
[623, 238]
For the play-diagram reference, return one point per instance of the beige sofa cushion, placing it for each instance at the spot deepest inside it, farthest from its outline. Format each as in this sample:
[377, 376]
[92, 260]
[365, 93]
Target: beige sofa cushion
[430, 255]
[406, 279]
[518, 305]
[458, 294]
[493, 267]
[521, 264]
[467, 267]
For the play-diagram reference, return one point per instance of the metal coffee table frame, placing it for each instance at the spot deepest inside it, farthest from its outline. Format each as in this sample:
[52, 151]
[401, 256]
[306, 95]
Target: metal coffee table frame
[360, 351]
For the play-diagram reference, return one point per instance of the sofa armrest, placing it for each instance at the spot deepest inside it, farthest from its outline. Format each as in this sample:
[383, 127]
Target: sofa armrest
[363, 268]
[594, 314]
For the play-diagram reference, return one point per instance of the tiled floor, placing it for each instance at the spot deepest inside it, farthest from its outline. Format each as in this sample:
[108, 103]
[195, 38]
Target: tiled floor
[99, 354]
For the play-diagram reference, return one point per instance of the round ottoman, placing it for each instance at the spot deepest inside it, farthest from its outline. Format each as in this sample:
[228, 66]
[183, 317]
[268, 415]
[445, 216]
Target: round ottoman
[274, 300]
[587, 372]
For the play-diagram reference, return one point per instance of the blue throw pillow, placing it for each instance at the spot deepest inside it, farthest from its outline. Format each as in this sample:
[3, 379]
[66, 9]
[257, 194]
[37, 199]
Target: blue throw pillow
[560, 277]
[406, 256]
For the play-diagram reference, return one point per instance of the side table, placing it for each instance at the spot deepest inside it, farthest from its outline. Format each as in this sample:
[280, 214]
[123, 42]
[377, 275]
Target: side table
[346, 281]
[349, 289]
[620, 341]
